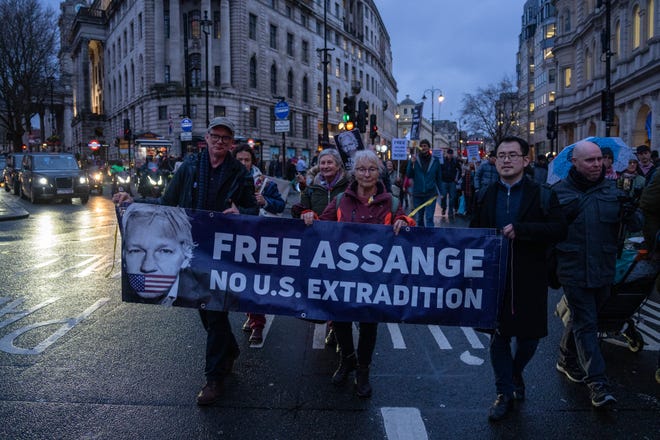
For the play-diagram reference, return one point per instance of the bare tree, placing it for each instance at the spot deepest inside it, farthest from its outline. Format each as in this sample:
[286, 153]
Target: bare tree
[493, 111]
[28, 61]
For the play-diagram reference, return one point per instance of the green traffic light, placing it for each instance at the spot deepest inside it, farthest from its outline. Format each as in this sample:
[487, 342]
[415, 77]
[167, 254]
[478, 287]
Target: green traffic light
[346, 117]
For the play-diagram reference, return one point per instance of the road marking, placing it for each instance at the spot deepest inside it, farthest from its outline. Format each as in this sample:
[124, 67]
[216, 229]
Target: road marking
[472, 337]
[92, 267]
[318, 343]
[397, 338]
[11, 309]
[7, 342]
[269, 323]
[403, 424]
[440, 337]
[469, 359]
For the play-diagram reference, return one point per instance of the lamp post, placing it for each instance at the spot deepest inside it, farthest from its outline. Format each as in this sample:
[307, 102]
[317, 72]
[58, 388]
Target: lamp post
[206, 28]
[51, 79]
[441, 98]
[397, 116]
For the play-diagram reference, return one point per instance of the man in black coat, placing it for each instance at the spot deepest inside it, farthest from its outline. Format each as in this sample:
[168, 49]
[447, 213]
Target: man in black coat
[531, 221]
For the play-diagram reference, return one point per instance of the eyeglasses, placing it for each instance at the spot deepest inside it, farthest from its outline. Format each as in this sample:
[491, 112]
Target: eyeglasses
[217, 137]
[372, 170]
[509, 156]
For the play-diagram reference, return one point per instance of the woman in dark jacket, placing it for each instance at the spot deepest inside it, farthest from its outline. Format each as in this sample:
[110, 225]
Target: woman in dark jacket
[364, 201]
[330, 180]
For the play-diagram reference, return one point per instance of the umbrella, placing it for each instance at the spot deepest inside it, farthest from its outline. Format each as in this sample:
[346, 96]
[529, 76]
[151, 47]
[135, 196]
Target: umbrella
[558, 168]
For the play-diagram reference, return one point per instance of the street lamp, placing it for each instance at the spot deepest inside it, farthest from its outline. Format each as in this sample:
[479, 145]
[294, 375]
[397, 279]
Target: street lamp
[51, 79]
[206, 25]
[397, 116]
[441, 98]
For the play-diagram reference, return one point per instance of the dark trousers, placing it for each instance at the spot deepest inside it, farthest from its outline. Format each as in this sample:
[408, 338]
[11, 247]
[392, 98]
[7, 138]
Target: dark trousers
[509, 356]
[424, 217]
[221, 346]
[580, 339]
[366, 340]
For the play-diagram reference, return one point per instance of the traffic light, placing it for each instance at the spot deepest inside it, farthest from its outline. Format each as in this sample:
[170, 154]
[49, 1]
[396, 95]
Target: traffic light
[127, 129]
[373, 128]
[551, 125]
[362, 116]
[349, 108]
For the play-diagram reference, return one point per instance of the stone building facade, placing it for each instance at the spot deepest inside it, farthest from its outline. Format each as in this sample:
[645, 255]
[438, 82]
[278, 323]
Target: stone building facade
[129, 60]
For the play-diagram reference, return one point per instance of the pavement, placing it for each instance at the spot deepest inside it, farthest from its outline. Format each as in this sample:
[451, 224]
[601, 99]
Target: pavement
[10, 209]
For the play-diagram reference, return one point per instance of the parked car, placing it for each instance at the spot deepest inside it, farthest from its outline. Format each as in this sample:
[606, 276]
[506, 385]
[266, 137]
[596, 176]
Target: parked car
[50, 176]
[11, 171]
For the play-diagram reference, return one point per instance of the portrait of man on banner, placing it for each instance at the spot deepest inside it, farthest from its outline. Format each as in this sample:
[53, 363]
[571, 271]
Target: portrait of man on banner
[416, 121]
[348, 143]
[157, 250]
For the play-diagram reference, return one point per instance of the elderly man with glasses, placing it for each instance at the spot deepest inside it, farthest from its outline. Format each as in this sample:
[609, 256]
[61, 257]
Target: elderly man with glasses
[212, 180]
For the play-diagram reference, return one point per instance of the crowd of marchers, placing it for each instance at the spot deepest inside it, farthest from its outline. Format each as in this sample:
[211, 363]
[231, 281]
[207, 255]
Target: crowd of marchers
[579, 217]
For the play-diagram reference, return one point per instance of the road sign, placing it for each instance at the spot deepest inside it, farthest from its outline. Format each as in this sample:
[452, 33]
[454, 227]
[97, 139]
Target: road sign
[282, 110]
[186, 136]
[94, 145]
[282, 126]
[186, 125]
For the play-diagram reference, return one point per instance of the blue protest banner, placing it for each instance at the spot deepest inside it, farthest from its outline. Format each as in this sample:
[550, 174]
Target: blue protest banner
[327, 271]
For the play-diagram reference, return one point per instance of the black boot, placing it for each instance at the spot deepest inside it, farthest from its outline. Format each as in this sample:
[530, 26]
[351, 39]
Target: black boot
[362, 385]
[346, 365]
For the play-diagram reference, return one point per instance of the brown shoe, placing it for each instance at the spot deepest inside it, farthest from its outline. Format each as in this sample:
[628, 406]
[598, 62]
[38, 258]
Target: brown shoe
[257, 336]
[209, 394]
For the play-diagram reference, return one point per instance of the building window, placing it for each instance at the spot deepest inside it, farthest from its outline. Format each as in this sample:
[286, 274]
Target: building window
[588, 65]
[338, 68]
[568, 77]
[194, 28]
[304, 20]
[195, 70]
[252, 27]
[162, 112]
[219, 110]
[617, 38]
[289, 84]
[273, 36]
[319, 94]
[305, 52]
[338, 101]
[650, 13]
[289, 44]
[253, 72]
[253, 117]
[273, 79]
[305, 126]
[636, 28]
[167, 35]
[305, 89]
[216, 25]
[217, 81]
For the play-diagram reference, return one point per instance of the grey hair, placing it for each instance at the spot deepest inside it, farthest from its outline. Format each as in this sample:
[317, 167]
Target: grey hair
[177, 220]
[334, 153]
[369, 157]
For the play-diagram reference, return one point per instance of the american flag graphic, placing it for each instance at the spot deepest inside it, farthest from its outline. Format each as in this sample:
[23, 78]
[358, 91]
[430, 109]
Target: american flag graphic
[150, 283]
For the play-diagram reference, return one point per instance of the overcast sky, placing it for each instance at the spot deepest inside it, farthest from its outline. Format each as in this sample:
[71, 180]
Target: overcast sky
[452, 45]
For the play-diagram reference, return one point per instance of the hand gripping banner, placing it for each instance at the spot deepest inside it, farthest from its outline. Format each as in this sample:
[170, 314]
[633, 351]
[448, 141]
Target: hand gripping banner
[327, 271]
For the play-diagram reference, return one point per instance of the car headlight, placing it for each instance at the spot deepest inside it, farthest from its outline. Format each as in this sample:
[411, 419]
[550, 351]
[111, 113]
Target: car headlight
[82, 180]
[42, 181]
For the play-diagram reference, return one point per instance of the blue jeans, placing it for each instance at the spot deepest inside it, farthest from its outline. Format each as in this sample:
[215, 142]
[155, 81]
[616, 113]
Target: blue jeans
[221, 346]
[580, 339]
[424, 216]
[448, 188]
[509, 359]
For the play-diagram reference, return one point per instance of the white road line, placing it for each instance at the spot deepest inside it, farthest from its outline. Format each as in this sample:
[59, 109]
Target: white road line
[648, 331]
[92, 267]
[472, 337]
[403, 424]
[440, 337]
[397, 338]
[318, 343]
[269, 323]
[44, 264]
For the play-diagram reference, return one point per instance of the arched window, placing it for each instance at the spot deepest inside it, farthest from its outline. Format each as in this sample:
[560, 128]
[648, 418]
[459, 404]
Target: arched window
[636, 28]
[273, 79]
[650, 13]
[289, 84]
[305, 89]
[253, 72]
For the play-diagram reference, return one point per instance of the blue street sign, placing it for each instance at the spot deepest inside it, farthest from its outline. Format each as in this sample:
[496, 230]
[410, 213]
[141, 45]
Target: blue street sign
[186, 125]
[281, 110]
